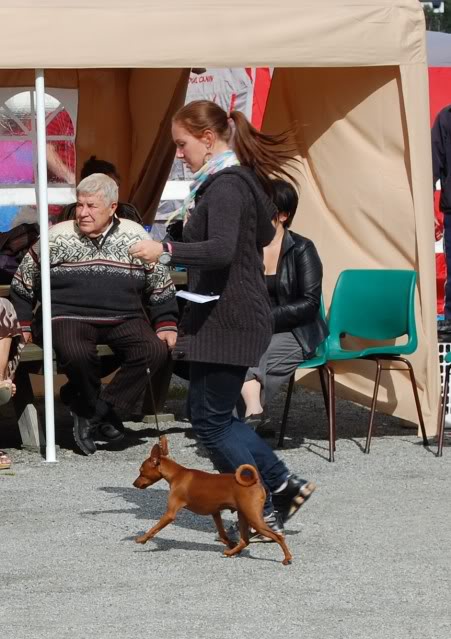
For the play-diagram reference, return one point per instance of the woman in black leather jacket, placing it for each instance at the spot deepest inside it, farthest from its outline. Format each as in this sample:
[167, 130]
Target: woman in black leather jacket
[294, 273]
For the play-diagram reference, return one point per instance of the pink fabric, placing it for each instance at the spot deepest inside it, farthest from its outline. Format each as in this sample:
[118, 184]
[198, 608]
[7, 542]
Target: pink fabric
[16, 162]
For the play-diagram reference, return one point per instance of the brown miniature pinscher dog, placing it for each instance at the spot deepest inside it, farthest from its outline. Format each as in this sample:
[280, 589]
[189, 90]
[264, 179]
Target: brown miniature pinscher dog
[207, 494]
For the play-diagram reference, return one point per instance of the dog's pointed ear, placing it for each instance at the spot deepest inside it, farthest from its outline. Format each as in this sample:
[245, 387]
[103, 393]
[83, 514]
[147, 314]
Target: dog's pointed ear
[164, 447]
[155, 454]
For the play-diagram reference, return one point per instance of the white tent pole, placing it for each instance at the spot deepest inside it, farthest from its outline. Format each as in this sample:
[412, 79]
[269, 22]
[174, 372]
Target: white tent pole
[50, 454]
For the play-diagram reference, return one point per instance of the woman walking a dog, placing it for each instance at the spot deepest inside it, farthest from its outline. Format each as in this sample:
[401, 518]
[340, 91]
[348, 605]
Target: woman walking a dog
[227, 222]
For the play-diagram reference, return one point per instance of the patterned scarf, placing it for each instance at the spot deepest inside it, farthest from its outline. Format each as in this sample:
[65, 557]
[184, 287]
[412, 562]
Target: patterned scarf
[215, 164]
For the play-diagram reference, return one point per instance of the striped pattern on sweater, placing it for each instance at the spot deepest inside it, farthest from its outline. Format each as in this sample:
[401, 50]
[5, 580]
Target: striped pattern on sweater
[95, 280]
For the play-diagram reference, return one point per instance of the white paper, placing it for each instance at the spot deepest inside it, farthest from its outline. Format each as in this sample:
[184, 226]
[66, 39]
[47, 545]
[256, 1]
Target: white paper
[196, 297]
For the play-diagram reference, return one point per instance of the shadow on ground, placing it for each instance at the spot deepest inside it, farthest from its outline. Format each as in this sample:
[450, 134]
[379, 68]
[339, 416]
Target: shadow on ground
[307, 424]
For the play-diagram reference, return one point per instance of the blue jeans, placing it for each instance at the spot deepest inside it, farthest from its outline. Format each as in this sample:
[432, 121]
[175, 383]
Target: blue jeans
[214, 392]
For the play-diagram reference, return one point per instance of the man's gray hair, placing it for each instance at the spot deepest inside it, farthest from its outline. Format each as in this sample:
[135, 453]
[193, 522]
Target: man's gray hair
[99, 183]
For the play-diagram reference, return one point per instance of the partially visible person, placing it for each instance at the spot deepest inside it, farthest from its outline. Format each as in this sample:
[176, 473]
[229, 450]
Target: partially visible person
[11, 344]
[124, 211]
[13, 246]
[441, 167]
[293, 274]
[61, 151]
[228, 222]
[99, 293]
[57, 168]
[93, 165]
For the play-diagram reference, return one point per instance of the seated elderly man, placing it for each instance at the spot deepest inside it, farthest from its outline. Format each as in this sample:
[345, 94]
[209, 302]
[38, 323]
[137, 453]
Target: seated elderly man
[99, 293]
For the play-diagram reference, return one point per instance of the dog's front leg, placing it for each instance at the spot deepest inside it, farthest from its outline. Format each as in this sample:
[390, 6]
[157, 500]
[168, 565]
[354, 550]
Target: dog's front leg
[167, 519]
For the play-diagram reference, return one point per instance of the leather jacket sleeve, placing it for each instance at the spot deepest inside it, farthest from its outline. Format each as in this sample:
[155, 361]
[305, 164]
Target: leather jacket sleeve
[303, 309]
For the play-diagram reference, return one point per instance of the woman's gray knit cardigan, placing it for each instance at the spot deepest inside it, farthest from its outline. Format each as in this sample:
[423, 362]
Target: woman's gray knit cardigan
[222, 248]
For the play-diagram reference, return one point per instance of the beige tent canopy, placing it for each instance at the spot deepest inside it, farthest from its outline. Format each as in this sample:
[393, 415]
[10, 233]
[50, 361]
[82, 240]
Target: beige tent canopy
[352, 75]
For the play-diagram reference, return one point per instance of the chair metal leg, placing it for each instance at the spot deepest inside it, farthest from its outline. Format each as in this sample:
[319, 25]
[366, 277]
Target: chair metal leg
[331, 410]
[334, 410]
[322, 379]
[285, 412]
[373, 404]
[441, 432]
[417, 399]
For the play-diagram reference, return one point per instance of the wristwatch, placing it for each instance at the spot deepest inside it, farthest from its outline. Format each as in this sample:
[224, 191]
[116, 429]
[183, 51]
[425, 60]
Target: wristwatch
[165, 257]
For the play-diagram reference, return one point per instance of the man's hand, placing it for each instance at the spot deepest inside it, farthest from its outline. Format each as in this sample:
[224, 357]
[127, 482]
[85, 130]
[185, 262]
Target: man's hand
[27, 337]
[146, 250]
[170, 337]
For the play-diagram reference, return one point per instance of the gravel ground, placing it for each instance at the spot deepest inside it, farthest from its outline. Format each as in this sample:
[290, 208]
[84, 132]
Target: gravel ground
[371, 548]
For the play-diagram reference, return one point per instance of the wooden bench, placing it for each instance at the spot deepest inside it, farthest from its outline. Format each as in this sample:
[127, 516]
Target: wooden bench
[31, 362]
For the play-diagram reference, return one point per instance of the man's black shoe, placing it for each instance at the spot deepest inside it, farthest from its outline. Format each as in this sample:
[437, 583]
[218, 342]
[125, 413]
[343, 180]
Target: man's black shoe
[83, 435]
[110, 433]
[105, 431]
[288, 501]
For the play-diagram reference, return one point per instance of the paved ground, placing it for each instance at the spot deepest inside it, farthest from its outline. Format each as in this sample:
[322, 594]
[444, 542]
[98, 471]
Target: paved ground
[371, 547]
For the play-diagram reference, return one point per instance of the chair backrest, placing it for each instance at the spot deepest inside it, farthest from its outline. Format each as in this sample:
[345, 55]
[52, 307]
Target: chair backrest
[374, 305]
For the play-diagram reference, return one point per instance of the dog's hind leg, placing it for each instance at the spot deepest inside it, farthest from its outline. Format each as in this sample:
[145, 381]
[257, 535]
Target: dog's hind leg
[244, 536]
[263, 529]
[221, 531]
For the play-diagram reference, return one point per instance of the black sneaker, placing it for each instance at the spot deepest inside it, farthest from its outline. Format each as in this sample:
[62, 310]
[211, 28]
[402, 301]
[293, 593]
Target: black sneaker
[274, 521]
[288, 501]
[83, 434]
[232, 532]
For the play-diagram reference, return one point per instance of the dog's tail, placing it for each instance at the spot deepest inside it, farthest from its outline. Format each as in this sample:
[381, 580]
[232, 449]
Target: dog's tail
[246, 475]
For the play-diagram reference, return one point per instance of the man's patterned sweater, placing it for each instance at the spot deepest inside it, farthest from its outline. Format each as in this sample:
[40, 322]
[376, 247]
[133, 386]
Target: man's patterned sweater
[96, 280]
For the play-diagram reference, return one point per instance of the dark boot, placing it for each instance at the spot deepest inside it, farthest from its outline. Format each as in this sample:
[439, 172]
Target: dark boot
[83, 434]
[108, 425]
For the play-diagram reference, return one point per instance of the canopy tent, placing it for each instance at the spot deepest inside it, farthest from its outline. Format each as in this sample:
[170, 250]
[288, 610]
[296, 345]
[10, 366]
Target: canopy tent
[351, 75]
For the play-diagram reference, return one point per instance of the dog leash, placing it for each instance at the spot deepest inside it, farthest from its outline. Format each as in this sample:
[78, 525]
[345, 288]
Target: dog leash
[152, 398]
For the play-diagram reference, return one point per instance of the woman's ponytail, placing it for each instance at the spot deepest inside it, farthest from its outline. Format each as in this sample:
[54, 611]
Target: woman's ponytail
[265, 154]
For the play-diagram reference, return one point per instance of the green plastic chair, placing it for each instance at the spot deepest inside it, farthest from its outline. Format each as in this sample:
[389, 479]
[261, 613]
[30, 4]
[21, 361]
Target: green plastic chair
[326, 375]
[441, 432]
[376, 305]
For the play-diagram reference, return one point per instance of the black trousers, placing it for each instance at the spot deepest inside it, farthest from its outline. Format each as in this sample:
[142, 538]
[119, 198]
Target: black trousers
[133, 342]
